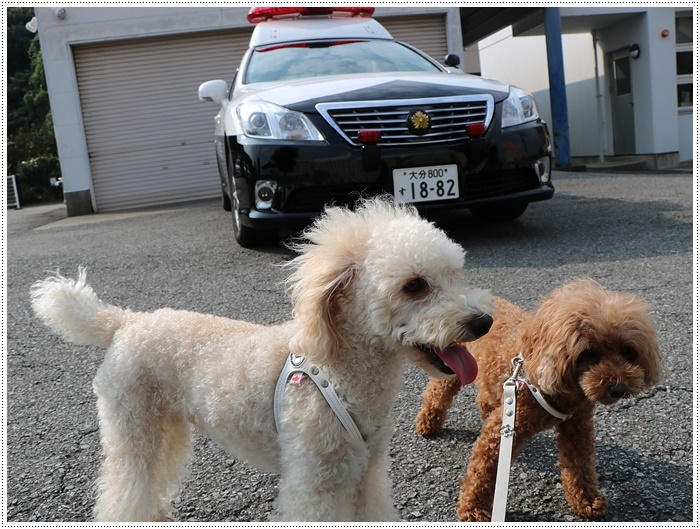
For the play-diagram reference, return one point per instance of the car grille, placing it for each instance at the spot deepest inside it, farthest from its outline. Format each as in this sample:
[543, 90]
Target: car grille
[449, 118]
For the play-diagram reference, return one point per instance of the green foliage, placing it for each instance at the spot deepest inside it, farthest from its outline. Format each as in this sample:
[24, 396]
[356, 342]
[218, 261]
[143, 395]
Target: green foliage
[32, 159]
[31, 152]
[18, 39]
[36, 99]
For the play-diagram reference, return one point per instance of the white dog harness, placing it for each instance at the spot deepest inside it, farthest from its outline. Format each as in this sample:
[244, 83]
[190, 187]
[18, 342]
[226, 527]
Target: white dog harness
[510, 389]
[297, 364]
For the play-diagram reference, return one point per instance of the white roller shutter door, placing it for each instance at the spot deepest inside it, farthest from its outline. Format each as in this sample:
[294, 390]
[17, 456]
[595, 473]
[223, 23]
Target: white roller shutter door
[150, 139]
[428, 33]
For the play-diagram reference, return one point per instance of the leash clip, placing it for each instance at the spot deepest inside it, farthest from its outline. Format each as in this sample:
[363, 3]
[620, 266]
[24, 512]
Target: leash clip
[516, 364]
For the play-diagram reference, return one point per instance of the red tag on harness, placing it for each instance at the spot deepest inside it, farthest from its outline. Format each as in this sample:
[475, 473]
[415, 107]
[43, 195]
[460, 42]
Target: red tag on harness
[296, 379]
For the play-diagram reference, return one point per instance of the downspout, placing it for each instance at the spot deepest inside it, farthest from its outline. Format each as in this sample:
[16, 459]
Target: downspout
[598, 101]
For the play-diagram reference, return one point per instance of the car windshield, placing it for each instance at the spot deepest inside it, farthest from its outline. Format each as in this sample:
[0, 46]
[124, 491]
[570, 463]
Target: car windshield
[298, 60]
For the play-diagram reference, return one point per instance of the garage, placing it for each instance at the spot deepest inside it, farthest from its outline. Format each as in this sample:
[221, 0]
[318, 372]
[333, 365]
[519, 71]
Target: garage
[150, 139]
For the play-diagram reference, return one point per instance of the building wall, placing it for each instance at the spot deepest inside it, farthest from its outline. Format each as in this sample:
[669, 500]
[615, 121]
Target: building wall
[686, 135]
[653, 77]
[522, 61]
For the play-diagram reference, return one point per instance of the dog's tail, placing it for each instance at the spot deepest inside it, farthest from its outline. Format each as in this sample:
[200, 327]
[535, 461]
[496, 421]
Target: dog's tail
[72, 310]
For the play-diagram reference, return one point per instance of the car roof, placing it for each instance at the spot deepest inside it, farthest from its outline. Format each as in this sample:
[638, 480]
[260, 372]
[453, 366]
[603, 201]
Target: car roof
[304, 29]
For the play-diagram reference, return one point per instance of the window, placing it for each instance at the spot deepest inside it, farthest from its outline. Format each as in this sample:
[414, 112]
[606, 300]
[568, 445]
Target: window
[623, 79]
[684, 59]
[302, 59]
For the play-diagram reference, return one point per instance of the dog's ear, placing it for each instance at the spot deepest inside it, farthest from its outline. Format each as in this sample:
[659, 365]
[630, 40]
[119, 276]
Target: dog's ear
[550, 345]
[640, 335]
[318, 285]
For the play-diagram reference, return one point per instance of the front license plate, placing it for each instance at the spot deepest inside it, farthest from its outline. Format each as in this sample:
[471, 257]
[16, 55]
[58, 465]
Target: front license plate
[423, 184]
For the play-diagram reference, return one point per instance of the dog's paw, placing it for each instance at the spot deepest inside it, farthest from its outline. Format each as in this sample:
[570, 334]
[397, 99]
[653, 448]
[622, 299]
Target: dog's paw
[425, 425]
[428, 424]
[596, 507]
[473, 515]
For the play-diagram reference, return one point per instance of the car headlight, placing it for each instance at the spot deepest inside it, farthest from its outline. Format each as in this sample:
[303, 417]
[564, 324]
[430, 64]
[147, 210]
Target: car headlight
[262, 119]
[518, 108]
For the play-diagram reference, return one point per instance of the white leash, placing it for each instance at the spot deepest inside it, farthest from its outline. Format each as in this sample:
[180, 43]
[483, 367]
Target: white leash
[298, 364]
[510, 390]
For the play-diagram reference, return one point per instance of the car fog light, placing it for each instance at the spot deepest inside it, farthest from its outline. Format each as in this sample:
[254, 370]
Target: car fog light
[543, 169]
[264, 193]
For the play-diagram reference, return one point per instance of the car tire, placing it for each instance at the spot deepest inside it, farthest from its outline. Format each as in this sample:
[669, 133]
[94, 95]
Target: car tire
[504, 212]
[225, 200]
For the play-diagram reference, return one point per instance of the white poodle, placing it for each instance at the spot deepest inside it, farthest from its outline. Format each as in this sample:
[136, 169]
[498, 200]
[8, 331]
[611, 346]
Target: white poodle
[370, 289]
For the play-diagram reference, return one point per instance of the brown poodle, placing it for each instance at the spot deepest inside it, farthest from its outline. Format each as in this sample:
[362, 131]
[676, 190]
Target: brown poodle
[583, 346]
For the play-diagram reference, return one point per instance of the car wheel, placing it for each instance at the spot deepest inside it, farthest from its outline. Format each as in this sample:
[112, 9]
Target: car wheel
[246, 236]
[500, 212]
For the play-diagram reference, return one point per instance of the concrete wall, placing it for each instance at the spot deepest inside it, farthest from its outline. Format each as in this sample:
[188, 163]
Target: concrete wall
[653, 77]
[522, 61]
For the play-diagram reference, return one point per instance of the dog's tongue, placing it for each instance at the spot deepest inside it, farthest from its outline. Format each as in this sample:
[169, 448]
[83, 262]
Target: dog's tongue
[461, 361]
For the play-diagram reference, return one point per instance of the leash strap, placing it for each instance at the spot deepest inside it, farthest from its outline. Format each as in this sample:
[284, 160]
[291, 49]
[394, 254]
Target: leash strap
[505, 451]
[510, 390]
[298, 364]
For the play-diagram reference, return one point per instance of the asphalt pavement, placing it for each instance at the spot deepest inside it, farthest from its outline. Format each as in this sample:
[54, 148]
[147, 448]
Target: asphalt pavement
[630, 232]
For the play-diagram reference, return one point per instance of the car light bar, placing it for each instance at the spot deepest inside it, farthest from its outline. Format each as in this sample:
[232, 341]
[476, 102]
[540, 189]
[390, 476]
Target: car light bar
[261, 14]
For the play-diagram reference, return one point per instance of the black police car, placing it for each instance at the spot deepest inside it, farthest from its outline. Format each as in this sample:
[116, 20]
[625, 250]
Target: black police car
[326, 107]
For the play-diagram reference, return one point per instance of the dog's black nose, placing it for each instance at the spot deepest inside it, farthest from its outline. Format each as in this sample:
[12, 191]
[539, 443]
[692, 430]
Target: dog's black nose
[616, 391]
[481, 325]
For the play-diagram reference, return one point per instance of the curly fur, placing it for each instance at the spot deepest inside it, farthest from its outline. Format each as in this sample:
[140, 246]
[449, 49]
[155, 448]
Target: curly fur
[583, 346]
[168, 371]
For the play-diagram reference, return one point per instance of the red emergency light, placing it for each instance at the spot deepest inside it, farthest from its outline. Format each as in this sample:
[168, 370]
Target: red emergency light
[261, 14]
[369, 136]
[476, 129]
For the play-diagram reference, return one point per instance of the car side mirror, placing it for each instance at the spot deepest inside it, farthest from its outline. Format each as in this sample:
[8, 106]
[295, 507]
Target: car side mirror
[452, 59]
[216, 91]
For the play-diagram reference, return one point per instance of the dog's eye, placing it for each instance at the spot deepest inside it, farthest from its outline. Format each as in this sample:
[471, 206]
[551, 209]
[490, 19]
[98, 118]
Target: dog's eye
[586, 359]
[628, 354]
[415, 286]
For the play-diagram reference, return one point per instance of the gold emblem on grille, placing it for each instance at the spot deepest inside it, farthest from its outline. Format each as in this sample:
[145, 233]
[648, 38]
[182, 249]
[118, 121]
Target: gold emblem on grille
[418, 122]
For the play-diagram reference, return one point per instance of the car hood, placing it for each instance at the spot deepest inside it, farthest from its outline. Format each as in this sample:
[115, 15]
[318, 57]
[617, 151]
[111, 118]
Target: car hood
[303, 95]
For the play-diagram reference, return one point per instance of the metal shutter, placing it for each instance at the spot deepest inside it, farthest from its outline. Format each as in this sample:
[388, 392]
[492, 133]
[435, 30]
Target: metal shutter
[150, 139]
[428, 33]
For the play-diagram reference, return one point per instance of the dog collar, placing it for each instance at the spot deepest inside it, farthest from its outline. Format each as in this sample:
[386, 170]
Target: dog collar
[524, 380]
[295, 365]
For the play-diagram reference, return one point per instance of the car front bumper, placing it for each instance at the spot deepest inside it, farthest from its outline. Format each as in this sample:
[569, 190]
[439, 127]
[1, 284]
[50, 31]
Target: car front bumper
[500, 167]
